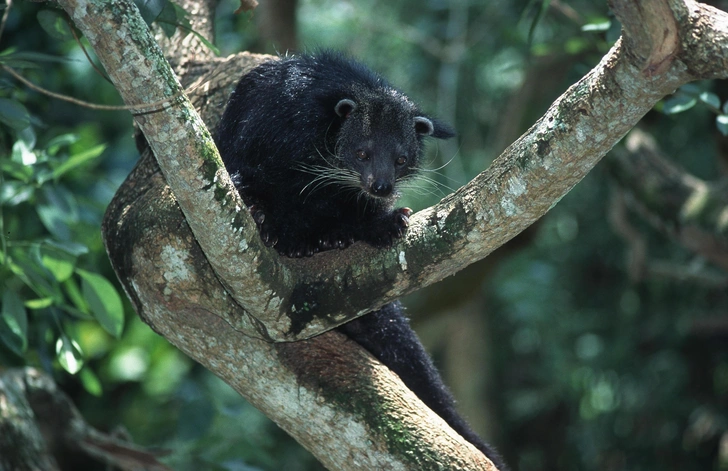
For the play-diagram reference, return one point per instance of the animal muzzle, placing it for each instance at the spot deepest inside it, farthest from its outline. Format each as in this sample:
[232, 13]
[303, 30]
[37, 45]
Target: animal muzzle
[381, 188]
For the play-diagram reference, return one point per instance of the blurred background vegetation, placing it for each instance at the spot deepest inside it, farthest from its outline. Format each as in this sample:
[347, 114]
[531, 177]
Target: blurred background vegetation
[593, 341]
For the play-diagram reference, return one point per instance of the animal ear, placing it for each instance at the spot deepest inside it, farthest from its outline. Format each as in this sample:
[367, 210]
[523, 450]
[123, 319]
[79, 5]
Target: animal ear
[441, 130]
[344, 107]
[432, 127]
[424, 126]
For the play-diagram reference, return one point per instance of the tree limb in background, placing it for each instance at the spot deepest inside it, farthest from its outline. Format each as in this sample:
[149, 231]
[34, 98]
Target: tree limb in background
[39, 426]
[692, 211]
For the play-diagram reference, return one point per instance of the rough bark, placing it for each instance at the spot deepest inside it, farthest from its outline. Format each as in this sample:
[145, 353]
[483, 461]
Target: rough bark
[190, 258]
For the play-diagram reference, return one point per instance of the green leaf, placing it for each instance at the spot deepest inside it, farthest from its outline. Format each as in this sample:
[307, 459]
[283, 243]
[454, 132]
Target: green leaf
[721, 122]
[29, 60]
[58, 142]
[40, 303]
[73, 248]
[41, 57]
[14, 323]
[597, 26]
[74, 294]
[16, 170]
[91, 382]
[12, 193]
[78, 159]
[710, 99]
[58, 262]
[69, 354]
[207, 43]
[150, 9]
[36, 277]
[172, 16]
[691, 89]
[23, 153]
[59, 211]
[55, 24]
[543, 8]
[725, 107]
[678, 103]
[103, 300]
[14, 114]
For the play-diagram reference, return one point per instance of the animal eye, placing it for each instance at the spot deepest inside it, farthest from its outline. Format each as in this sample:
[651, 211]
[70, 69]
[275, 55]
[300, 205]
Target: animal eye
[361, 155]
[401, 160]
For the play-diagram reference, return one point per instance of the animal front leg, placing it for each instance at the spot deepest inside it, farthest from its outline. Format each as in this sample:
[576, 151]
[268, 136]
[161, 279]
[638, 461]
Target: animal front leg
[387, 228]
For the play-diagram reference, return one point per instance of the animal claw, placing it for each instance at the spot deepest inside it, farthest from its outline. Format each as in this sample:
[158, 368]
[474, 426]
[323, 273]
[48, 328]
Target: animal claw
[259, 217]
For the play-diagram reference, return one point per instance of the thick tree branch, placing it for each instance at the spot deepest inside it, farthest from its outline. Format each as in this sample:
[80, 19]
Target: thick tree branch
[530, 176]
[170, 279]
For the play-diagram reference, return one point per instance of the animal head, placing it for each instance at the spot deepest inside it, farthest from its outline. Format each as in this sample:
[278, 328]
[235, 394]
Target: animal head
[381, 138]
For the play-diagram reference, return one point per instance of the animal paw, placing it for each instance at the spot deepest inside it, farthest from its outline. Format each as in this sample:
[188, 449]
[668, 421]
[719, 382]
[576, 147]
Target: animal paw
[390, 227]
[335, 241]
[401, 221]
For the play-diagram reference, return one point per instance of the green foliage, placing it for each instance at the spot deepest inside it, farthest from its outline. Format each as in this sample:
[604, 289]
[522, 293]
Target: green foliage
[170, 17]
[45, 241]
[690, 95]
[592, 370]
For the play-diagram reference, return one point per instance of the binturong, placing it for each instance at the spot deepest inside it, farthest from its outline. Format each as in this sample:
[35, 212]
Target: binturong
[318, 145]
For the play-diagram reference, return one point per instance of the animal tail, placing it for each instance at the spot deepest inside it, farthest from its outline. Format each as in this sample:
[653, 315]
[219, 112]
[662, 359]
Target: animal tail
[386, 334]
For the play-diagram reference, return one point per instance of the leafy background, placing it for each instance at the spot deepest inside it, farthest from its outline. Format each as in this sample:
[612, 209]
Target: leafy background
[555, 353]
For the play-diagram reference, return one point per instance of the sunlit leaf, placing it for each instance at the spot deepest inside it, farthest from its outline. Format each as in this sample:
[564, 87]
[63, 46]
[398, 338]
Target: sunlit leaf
[40, 303]
[722, 124]
[69, 354]
[78, 159]
[91, 382]
[23, 153]
[599, 26]
[710, 99]
[678, 103]
[13, 193]
[13, 322]
[58, 262]
[103, 300]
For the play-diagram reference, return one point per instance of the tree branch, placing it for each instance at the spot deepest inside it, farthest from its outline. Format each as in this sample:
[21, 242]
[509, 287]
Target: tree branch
[692, 211]
[37, 419]
[521, 185]
[174, 287]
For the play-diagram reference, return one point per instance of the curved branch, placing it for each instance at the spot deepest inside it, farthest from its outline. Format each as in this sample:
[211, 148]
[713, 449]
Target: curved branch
[170, 279]
[38, 421]
[692, 211]
[521, 185]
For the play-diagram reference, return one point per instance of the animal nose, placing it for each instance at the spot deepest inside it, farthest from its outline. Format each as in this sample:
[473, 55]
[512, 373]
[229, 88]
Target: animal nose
[381, 188]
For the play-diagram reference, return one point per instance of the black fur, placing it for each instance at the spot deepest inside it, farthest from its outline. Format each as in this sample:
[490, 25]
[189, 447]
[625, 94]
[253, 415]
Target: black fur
[316, 145]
